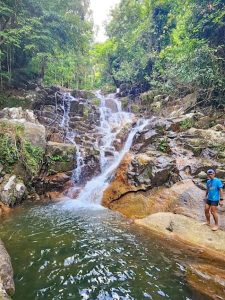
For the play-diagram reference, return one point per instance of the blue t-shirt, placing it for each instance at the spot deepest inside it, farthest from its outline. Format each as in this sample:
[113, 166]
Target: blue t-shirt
[213, 186]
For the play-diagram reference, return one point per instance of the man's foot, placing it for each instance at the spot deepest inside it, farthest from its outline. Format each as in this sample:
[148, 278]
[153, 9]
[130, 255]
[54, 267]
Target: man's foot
[215, 228]
[206, 223]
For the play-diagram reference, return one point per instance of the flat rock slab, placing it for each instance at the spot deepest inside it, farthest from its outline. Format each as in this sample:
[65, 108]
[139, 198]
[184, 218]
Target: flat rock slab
[188, 231]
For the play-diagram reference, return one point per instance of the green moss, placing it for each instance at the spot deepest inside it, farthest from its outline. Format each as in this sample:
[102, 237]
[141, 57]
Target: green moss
[32, 157]
[124, 101]
[186, 124]
[7, 100]
[86, 111]
[15, 150]
[8, 151]
[96, 101]
[108, 88]
[163, 145]
[135, 108]
[147, 98]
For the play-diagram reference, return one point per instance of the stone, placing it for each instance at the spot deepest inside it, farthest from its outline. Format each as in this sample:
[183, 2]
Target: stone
[7, 287]
[187, 231]
[207, 279]
[184, 197]
[12, 190]
[60, 157]
[202, 175]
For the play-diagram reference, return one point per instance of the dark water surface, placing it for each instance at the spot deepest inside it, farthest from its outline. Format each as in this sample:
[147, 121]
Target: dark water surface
[89, 254]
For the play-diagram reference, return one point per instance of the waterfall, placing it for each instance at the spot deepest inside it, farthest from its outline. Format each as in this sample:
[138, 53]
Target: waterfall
[71, 134]
[110, 124]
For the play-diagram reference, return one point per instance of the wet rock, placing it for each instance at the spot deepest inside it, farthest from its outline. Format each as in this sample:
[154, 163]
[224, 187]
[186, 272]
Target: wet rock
[188, 231]
[60, 157]
[183, 197]
[207, 279]
[12, 190]
[7, 287]
[52, 183]
[141, 172]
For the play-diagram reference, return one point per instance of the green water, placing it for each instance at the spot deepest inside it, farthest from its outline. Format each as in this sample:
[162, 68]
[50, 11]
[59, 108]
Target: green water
[89, 254]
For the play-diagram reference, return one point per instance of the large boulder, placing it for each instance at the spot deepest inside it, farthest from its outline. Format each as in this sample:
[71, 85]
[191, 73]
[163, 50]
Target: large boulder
[12, 190]
[22, 146]
[7, 287]
[139, 173]
[184, 197]
[60, 157]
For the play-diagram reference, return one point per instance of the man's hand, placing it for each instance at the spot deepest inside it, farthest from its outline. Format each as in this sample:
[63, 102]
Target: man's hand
[221, 202]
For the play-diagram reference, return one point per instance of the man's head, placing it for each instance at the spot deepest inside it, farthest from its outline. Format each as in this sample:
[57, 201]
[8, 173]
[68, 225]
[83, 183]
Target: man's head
[211, 173]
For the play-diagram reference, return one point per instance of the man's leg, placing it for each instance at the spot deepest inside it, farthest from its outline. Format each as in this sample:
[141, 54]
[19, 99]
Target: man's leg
[207, 213]
[214, 212]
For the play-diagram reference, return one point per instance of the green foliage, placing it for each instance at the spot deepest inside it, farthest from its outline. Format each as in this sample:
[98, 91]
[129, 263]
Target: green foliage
[57, 158]
[7, 100]
[49, 40]
[186, 124]
[32, 157]
[15, 149]
[168, 46]
[8, 151]
[163, 145]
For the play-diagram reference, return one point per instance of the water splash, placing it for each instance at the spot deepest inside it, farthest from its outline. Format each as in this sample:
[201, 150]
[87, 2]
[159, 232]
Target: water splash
[92, 193]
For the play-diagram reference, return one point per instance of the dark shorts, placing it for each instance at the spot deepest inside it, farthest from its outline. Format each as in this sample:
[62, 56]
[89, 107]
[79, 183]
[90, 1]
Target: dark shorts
[212, 203]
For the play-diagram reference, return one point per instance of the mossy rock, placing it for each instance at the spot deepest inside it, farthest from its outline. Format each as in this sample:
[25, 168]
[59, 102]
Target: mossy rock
[124, 102]
[147, 98]
[108, 89]
[60, 157]
[83, 94]
[21, 148]
[96, 101]
[9, 100]
[135, 108]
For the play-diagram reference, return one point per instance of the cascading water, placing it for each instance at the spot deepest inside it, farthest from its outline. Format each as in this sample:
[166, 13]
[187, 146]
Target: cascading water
[110, 124]
[71, 134]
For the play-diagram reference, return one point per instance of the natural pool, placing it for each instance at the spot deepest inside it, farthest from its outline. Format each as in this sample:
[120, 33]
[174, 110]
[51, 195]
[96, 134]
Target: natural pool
[89, 254]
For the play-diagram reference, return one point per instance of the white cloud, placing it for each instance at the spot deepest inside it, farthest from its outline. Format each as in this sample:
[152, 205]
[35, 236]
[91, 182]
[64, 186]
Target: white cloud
[101, 9]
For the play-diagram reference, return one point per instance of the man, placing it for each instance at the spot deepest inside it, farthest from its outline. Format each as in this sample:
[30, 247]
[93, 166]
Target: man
[214, 197]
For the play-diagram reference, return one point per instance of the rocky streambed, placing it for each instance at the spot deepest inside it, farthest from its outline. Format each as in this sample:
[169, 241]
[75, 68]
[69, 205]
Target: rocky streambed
[53, 150]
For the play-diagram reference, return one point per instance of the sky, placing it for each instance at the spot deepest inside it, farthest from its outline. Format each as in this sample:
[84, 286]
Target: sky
[101, 10]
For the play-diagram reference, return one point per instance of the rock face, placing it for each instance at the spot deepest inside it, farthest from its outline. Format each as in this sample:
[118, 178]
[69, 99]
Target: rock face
[12, 190]
[188, 231]
[60, 157]
[7, 287]
[184, 198]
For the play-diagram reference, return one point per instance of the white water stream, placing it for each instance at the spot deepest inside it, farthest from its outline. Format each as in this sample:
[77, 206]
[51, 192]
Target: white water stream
[112, 120]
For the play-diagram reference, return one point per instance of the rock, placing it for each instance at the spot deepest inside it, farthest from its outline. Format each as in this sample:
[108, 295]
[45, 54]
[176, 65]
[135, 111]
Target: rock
[60, 157]
[12, 190]
[17, 113]
[184, 197]
[7, 287]
[207, 279]
[52, 184]
[202, 175]
[33, 132]
[188, 231]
